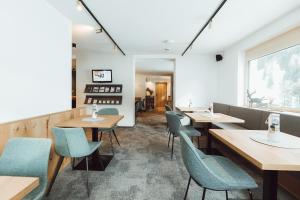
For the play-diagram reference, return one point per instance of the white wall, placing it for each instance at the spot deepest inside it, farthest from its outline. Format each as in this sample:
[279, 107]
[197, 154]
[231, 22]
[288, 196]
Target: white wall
[35, 63]
[231, 88]
[196, 80]
[122, 73]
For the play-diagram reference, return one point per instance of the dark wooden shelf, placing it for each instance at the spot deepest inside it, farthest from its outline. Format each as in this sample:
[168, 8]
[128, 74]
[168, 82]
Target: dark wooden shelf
[103, 100]
[103, 88]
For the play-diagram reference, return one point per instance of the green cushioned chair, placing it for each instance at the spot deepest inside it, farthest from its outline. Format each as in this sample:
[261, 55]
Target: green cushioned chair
[27, 157]
[110, 131]
[72, 142]
[213, 172]
[174, 124]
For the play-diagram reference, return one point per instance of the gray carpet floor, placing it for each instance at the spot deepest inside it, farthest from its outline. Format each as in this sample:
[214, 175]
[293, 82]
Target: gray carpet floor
[140, 170]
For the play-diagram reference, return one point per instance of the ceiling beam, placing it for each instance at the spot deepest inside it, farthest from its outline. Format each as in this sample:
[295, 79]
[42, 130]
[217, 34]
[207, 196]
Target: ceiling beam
[205, 25]
[97, 21]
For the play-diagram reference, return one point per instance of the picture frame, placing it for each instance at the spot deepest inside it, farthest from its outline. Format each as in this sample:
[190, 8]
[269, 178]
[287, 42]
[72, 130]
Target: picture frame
[107, 89]
[112, 89]
[89, 100]
[102, 89]
[95, 89]
[102, 76]
[118, 89]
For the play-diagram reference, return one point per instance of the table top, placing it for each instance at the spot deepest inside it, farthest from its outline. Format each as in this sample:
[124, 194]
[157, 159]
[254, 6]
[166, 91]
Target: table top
[192, 109]
[215, 118]
[108, 122]
[263, 156]
[15, 187]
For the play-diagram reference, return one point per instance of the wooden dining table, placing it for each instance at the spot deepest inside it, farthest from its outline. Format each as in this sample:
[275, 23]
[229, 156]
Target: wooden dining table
[267, 158]
[16, 188]
[209, 119]
[191, 109]
[97, 162]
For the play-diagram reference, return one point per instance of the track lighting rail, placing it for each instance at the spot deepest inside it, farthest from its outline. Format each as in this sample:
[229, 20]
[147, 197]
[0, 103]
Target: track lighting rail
[97, 21]
[205, 25]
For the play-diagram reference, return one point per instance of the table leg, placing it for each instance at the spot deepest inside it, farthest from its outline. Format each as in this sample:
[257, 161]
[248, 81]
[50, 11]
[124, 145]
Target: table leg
[96, 162]
[270, 185]
[209, 149]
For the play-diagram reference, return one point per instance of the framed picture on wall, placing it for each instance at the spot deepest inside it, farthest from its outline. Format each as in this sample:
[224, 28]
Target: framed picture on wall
[102, 76]
[118, 89]
[107, 88]
[112, 89]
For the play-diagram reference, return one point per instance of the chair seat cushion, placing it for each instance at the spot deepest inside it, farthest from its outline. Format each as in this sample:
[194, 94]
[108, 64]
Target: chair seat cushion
[229, 126]
[190, 131]
[233, 177]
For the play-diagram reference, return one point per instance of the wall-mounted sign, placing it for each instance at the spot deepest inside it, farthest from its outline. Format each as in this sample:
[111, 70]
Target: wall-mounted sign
[102, 76]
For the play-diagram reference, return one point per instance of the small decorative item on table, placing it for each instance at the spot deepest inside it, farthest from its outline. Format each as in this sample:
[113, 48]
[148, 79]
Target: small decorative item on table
[273, 122]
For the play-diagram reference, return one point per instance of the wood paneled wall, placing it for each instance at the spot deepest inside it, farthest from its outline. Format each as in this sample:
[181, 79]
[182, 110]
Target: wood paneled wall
[38, 127]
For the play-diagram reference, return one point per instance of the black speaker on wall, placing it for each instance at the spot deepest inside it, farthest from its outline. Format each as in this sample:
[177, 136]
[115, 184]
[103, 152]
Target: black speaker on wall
[219, 57]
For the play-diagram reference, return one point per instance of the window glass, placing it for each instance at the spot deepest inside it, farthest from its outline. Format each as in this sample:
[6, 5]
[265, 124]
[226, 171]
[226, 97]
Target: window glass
[274, 80]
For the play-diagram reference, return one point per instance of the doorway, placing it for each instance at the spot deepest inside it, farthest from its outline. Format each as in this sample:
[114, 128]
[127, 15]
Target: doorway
[160, 96]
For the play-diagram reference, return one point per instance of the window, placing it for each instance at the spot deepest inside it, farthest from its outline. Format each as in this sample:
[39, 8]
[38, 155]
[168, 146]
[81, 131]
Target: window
[274, 80]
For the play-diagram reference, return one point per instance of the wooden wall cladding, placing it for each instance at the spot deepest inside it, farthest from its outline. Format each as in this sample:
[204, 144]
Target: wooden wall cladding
[39, 127]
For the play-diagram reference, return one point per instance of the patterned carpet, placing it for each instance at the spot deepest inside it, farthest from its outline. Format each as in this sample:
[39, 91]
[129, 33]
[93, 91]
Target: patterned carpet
[140, 170]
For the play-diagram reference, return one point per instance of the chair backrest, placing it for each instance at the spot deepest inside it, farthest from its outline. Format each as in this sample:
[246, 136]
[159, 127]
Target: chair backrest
[27, 157]
[168, 108]
[173, 121]
[71, 142]
[108, 111]
[196, 166]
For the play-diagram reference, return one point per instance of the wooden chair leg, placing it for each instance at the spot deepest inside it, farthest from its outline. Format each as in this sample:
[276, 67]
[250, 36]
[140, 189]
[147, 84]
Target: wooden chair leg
[198, 142]
[116, 137]
[187, 189]
[60, 160]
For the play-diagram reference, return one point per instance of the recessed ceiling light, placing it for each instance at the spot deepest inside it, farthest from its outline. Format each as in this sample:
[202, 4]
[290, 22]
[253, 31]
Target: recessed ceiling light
[99, 30]
[168, 41]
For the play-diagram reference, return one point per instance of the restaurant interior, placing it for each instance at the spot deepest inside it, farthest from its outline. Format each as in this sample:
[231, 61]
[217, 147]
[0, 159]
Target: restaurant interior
[150, 100]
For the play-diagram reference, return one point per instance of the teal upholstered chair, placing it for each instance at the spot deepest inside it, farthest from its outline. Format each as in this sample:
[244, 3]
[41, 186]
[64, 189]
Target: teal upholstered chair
[72, 142]
[174, 124]
[27, 157]
[110, 131]
[213, 172]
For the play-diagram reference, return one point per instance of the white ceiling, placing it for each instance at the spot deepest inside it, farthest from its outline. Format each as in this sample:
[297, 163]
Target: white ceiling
[141, 26]
[153, 66]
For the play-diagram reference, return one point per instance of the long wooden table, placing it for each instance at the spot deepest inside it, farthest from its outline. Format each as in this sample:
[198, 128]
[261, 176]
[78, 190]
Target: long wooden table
[108, 122]
[267, 158]
[191, 109]
[208, 118]
[16, 188]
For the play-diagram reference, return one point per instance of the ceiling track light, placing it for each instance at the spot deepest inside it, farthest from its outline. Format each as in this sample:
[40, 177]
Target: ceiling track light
[100, 25]
[99, 30]
[79, 5]
[210, 24]
[205, 25]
